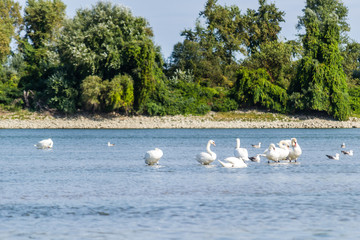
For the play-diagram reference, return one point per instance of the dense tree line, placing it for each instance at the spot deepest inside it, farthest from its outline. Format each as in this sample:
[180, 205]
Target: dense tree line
[104, 60]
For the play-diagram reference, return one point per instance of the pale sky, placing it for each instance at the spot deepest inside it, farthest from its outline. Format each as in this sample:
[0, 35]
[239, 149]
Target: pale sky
[169, 17]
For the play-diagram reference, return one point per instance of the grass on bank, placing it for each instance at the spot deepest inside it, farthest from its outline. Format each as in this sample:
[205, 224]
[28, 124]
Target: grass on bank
[244, 115]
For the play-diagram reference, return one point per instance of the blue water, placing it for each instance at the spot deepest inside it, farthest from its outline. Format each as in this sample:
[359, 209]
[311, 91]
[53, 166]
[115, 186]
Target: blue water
[83, 189]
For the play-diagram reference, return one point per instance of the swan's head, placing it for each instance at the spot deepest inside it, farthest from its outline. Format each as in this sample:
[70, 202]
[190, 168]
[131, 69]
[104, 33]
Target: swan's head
[293, 142]
[284, 143]
[272, 146]
[212, 142]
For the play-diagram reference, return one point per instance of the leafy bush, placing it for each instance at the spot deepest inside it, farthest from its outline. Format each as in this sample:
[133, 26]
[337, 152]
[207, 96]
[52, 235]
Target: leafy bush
[119, 94]
[255, 87]
[90, 92]
[61, 94]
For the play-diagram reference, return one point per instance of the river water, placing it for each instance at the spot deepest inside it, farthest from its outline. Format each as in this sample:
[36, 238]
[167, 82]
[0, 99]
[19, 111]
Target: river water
[83, 189]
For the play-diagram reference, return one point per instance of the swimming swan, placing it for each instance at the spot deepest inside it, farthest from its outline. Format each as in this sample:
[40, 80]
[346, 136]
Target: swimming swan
[241, 152]
[233, 162]
[46, 143]
[205, 158]
[152, 157]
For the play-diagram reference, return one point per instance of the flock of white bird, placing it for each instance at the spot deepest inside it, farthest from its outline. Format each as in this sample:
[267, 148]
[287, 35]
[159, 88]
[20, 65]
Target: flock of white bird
[287, 150]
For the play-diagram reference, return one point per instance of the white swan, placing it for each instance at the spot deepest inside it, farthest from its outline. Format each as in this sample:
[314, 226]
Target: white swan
[233, 162]
[295, 150]
[241, 152]
[153, 156]
[271, 153]
[336, 157]
[46, 143]
[276, 154]
[283, 150]
[205, 158]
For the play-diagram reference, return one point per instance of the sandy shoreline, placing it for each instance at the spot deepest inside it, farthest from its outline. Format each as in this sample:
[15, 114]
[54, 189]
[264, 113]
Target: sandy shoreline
[143, 122]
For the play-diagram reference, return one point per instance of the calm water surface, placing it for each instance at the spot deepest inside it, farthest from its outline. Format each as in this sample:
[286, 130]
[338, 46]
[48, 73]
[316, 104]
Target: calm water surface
[83, 189]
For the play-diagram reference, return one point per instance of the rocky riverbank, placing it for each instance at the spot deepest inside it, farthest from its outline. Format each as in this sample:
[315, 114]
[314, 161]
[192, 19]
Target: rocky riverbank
[252, 119]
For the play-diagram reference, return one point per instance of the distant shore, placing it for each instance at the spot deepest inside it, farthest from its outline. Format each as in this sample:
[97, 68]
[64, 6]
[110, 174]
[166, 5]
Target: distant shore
[47, 121]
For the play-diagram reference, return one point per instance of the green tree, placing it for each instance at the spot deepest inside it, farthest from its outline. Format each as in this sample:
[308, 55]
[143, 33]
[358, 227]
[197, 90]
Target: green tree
[119, 94]
[91, 88]
[277, 59]
[10, 20]
[321, 81]
[262, 26]
[254, 87]
[108, 40]
[43, 20]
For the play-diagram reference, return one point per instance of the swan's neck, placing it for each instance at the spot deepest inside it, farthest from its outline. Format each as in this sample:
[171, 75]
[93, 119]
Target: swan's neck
[237, 143]
[208, 148]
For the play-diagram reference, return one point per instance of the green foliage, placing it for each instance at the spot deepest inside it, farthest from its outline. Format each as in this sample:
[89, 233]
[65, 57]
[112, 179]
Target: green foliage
[119, 94]
[114, 95]
[61, 94]
[254, 87]
[321, 80]
[10, 74]
[354, 99]
[181, 96]
[91, 88]
[43, 19]
[10, 20]
[277, 58]
[9, 92]
[262, 25]
[108, 40]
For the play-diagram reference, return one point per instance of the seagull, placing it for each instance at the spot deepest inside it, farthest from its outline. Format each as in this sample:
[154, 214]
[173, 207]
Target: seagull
[336, 157]
[256, 158]
[343, 145]
[350, 153]
[256, 146]
[111, 144]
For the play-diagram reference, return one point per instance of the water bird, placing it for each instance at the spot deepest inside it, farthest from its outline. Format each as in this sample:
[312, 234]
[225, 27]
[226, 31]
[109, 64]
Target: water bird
[233, 162]
[241, 152]
[271, 154]
[350, 153]
[43, 144]
[256, 158]
[152, 157]
[111, 144]
[277, 153]
[336, 157]
[205, 158]
[284, 149]
[256, 145]
[295, 150]
[343, 145]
